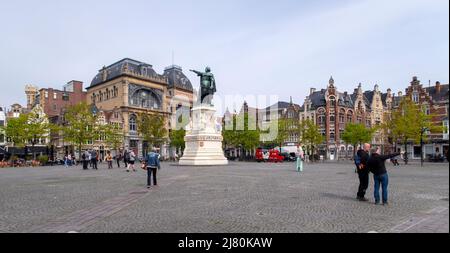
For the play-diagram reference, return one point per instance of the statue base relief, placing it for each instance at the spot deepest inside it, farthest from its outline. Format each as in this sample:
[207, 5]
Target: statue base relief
[203, 139]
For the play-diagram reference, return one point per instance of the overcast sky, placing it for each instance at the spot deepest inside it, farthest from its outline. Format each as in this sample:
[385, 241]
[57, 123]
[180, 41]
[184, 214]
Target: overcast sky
[253, 47]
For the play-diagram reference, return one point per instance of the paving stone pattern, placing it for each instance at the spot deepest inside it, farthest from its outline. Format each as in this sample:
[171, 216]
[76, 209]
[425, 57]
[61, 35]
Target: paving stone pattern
[240, 197]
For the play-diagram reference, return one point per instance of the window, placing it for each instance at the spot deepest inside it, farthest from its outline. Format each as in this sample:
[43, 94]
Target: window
[332, 119]
[415, 97]
[332, 101]
[54, 107]
[132, 123]
[349, 117]
[133, 143]
[46, 94]
[2, 138]
[2, 123]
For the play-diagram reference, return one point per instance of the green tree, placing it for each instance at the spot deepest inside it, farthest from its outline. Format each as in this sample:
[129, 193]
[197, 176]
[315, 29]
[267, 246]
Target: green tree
[244, 132]
[81, 125]
[284, 128]
[113, 135]
[152, 128]
[177, 139]
[15, 131]
[355, 134]
[37, 128]
[310, 135]
[409, 122]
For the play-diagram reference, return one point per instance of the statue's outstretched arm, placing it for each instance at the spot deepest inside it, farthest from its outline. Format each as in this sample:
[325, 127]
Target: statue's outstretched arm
[196, 72]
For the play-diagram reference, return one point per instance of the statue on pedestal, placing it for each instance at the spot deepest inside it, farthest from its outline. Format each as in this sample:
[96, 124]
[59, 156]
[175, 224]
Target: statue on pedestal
[207, 86]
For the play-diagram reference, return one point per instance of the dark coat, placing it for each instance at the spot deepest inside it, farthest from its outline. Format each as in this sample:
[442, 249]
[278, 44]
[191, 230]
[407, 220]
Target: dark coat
[377, 163]
[364, 156]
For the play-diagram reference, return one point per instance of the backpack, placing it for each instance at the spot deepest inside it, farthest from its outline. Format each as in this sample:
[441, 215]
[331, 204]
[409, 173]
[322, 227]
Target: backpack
[357, 160]
[127, 155]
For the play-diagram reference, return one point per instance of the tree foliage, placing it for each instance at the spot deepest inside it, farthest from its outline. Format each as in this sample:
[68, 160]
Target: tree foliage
[310, 135]
[152, 128]
[244, 132]
[80, 125]
[409, 122]
[355, 134]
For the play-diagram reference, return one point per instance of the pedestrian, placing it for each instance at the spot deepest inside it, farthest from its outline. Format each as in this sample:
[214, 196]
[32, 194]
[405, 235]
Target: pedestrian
[377, 165]
[131, 160]
[152, 164]
[66, 161]
[300, 157]
[109, 160]
[85, 158]
[126, 157]
[118, 158]
[94, 157]
[360, 159]
[90, 158]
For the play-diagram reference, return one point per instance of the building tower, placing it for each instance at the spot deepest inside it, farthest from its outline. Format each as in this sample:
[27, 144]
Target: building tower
[31, 92]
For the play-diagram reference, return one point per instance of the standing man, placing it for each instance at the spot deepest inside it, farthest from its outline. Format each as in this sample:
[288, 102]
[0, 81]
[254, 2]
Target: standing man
[377, 165]
[84, 158]
[118, 158]
[152, 164]
[94, 159]
[126, 157]
[361, 159]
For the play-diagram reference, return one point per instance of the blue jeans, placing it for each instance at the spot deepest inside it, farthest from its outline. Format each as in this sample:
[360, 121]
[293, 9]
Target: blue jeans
[384, 181]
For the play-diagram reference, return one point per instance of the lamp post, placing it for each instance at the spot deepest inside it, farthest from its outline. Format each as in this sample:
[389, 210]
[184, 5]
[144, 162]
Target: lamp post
[422, 131]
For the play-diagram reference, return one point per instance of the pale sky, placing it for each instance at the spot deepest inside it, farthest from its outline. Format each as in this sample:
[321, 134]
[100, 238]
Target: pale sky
[253, 47]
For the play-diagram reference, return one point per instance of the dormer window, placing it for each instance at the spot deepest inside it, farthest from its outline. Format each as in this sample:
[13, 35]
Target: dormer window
[415, 97]
[143, 70]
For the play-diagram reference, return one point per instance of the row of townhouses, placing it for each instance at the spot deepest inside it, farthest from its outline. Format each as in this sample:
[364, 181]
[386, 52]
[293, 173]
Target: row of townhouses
[332, 110]
[118, 93]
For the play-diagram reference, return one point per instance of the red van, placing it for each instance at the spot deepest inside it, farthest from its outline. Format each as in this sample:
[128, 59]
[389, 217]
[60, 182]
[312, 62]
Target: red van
[275, 156]
[262, 155]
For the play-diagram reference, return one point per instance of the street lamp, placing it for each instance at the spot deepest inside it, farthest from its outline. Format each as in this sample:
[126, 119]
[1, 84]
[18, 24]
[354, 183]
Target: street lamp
[422, 131]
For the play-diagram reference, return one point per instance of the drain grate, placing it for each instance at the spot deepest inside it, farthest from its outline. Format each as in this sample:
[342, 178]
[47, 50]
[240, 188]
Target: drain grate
[444, 199]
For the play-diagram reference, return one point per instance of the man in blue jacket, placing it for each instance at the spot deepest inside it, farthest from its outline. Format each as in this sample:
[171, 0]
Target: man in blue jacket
[152, 164]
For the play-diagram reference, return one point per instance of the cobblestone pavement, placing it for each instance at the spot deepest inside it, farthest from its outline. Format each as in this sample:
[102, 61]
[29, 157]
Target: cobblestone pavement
[240, 197]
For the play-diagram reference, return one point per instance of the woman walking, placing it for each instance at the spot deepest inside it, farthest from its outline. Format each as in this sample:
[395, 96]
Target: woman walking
[131, 161]
[300, 156]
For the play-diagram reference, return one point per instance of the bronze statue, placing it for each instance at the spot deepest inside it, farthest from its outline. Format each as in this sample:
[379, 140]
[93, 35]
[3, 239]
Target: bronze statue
[207, 86]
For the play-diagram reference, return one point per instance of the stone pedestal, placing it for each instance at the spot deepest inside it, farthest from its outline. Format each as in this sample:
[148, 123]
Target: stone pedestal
[203, 139]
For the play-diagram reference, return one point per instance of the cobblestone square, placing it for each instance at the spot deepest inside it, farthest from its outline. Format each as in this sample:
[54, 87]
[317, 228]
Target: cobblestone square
[240, 197]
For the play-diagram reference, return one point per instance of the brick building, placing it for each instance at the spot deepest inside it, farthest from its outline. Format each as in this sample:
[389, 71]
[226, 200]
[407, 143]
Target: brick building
[54, 102]
[434, 100]
[333, 110]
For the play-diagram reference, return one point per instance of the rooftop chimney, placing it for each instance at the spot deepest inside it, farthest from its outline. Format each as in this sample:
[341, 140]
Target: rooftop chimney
[312, 90]
[438, 87]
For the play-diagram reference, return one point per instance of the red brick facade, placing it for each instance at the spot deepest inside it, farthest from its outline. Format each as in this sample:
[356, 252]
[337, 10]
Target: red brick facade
[54, 101]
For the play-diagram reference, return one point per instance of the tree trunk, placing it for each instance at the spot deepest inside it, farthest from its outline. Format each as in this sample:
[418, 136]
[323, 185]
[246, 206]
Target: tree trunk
[34, 152]
[406, 152]
[79, 151]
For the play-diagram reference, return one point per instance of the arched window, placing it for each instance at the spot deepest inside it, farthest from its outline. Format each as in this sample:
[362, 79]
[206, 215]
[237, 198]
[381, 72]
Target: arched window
[342, 116]
[332, 101]
[349, 117]
[132, 123]
[321, 117]
[145, 99]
